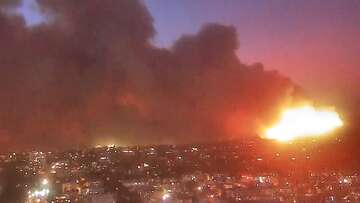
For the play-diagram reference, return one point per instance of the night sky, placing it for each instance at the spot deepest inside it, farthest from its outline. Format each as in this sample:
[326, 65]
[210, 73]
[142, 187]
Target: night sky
[316, 43]
[60, 85]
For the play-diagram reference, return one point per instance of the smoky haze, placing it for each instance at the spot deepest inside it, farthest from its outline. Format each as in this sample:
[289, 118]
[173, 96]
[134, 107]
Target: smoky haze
[90, 73]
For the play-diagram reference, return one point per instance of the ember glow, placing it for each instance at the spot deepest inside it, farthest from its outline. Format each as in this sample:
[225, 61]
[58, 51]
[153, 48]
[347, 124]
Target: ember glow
[305, 121]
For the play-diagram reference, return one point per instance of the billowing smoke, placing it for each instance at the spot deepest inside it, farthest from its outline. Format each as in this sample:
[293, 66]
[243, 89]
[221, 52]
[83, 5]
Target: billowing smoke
[89, 73]
[6, 4]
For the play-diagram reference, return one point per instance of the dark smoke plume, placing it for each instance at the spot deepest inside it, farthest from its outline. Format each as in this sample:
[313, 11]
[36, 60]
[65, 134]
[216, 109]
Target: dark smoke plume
[89, 73]
[6, 4]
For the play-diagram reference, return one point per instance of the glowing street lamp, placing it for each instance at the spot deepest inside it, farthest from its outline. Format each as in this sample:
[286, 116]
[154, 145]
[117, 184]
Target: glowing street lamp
[45, 181]
[165, 196]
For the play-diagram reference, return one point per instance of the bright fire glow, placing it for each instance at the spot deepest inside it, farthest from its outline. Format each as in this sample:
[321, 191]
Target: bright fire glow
[303, 121]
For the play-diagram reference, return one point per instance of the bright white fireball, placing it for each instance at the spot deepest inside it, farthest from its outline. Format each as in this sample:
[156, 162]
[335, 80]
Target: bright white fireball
[303, 121]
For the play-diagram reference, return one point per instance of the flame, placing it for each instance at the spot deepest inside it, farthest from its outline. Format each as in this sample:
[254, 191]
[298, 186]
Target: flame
[304, 121]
